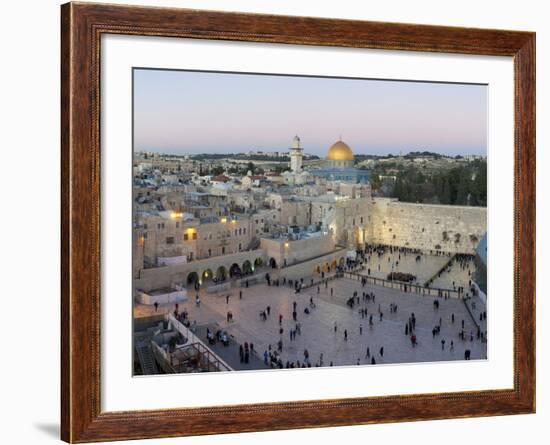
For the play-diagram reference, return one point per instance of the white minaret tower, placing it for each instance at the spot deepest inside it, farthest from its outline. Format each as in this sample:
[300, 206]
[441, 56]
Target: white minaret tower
[296, 154]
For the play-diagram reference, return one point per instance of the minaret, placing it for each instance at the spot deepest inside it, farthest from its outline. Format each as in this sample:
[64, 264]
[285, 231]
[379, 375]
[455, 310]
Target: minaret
[296, 154]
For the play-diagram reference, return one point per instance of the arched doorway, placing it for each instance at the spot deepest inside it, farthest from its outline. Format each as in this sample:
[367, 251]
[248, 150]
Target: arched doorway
[221, 274]
[258, 262]
[247, 267]
[235, 270]
[272, 263]
[192, 278]
[207, 275]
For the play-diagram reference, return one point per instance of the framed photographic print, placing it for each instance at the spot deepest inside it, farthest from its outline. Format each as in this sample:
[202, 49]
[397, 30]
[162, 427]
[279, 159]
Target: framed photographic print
[274, 222]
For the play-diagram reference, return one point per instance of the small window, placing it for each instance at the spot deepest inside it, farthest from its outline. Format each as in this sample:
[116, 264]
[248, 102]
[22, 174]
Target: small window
[185, 237]
[170, 240]
[195, 235]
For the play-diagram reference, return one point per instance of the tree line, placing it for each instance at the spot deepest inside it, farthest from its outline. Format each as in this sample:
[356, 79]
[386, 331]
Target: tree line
[463, 185]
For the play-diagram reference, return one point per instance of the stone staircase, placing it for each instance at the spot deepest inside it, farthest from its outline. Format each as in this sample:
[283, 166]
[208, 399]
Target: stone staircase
[146, 359]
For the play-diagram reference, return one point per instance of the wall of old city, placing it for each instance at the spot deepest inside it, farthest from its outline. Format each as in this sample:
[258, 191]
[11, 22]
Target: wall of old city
[287, 253]
[456, 229]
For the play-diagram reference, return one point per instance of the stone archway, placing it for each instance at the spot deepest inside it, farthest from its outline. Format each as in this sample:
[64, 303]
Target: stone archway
[272, 263]
[235, 270]
[258, 262]
[247, 268]
[221, 274]
[192, 278]
[207, 275]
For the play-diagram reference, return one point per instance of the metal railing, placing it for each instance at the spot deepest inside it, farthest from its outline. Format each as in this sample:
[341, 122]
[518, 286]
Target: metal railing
[406, 287]
[193, 340]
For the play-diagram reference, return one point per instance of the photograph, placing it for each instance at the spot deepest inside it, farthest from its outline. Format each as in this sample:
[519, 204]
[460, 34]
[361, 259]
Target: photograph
[285, 221]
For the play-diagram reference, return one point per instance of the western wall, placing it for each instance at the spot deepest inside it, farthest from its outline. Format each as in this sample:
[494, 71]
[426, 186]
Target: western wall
[455, 229]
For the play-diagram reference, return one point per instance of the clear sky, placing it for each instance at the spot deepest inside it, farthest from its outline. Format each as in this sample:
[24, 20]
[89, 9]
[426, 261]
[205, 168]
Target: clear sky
[185, 112]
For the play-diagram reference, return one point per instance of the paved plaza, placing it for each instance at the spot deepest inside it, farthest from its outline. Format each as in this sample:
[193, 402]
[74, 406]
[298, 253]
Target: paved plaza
[424, 269]
[318, 335]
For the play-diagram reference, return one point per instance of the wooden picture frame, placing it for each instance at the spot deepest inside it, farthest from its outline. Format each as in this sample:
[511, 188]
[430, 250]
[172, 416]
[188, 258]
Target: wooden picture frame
[82, 26]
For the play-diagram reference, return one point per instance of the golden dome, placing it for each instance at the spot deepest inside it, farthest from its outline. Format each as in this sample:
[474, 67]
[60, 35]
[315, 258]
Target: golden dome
[340, 151]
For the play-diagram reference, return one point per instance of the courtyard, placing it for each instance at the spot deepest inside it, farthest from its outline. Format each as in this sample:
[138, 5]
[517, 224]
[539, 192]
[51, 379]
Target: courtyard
[317, 334]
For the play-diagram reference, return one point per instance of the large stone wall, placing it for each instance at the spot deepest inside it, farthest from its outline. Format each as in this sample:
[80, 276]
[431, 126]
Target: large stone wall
[456, 229]
[287, 253]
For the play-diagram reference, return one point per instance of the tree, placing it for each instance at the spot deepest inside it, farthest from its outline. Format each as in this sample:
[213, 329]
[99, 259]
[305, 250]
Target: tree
[216, 170]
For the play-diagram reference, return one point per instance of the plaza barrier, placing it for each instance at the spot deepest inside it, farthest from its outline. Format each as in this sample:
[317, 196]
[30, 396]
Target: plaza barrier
[194, 341]
[440, 271]
[222, 287]
[406, 287]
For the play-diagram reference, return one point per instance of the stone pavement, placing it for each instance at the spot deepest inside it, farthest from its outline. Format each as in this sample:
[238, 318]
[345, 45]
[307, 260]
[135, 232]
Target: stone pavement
[429, 265]
[425, 269]
[456, 276]
[317, 328]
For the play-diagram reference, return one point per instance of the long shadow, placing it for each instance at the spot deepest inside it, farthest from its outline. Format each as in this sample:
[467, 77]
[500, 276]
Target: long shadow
[49, 429]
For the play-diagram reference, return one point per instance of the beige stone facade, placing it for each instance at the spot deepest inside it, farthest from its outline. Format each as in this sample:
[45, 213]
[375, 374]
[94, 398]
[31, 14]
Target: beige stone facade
[456, 229]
